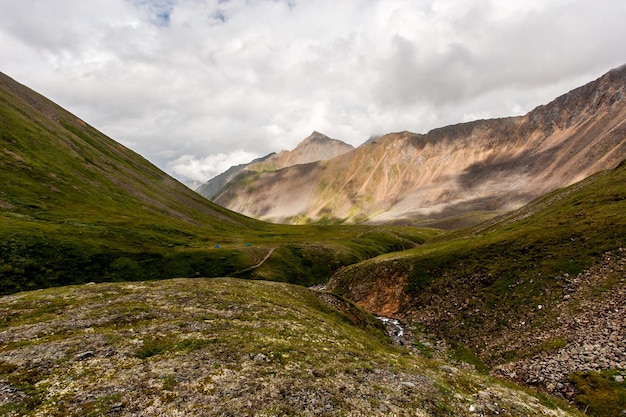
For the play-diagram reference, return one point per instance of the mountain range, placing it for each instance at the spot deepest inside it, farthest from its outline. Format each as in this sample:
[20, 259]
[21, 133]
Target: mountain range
[124, 292]
[450, 177]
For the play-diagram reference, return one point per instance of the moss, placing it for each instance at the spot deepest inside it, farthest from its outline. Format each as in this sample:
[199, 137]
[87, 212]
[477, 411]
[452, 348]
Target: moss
[462, 353]
[599, 394]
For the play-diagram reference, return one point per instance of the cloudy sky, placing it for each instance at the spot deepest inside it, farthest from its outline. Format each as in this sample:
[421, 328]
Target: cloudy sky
[196, 86]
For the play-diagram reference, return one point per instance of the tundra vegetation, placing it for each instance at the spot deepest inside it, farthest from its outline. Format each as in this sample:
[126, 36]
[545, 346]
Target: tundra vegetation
[130, 313]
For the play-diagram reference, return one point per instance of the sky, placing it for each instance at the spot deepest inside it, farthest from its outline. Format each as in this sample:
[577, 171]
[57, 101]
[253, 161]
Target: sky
[196, 86]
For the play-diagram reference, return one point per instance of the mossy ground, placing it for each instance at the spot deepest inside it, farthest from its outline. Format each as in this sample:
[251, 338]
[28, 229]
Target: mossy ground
[218, 347]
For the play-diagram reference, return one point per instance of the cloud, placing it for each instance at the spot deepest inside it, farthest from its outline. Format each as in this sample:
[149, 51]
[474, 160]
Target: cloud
[174, 78]
[191, 168]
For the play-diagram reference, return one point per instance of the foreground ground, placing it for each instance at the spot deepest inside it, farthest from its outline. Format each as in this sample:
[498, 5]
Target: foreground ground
[226, 347]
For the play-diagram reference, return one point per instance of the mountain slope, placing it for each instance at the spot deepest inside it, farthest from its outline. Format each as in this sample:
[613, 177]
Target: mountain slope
[224, 347]
[315, 147]
[76, 206]
[539, 293]
[453, 176]
[214, 186]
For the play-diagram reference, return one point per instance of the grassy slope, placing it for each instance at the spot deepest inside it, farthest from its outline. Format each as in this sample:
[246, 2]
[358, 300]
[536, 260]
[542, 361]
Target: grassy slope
[221, 347]
[76, 206]
[472, 285]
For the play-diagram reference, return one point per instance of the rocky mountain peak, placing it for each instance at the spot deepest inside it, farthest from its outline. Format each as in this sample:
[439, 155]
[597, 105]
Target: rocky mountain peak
[325, 144]
[316, 136]
[315, 147]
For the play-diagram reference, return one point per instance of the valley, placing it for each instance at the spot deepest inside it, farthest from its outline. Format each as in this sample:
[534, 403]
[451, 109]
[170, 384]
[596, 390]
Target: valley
[500, 245]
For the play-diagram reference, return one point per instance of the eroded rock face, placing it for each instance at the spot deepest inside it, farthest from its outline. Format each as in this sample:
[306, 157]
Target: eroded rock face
[486, 166]
[382, 292]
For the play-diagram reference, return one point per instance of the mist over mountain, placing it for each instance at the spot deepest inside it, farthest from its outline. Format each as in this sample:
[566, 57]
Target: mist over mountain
[450, 177]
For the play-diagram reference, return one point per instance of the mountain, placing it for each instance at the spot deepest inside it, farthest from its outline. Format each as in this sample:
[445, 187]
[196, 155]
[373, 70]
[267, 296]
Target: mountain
[76, 206]
[450, 177]
[536, 294]
[316, 147]
[214, 186]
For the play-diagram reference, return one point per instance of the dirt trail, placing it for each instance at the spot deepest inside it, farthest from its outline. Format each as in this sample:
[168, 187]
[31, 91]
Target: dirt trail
[253, 267]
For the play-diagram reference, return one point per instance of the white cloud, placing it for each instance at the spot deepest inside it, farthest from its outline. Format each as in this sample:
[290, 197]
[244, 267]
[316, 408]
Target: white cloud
[173, 78]
[191, 168]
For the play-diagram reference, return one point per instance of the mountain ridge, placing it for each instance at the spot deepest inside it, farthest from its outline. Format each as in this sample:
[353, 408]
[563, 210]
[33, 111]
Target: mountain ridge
[534, 294]
[452, 176]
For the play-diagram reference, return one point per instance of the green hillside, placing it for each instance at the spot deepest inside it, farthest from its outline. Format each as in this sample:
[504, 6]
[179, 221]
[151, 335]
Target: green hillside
[76, 206]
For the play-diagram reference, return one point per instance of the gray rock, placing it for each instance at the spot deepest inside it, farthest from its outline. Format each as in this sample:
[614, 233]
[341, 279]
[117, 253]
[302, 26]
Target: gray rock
[484, 395]
[84, 355]
[447, 369]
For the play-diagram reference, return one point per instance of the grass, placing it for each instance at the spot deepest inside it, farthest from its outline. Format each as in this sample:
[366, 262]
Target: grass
[599, 394]
[77, 207]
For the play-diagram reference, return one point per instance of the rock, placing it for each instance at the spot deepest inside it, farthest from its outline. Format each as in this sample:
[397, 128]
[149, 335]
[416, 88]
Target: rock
[408, 384]
[259, 357]
[484, 395]
[84, 355]
[447, 369]
[619, 378]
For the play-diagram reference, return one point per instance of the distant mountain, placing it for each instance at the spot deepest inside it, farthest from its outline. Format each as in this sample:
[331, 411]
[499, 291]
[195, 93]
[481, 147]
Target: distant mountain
[214, 186]
[454, 176]
[316, 147]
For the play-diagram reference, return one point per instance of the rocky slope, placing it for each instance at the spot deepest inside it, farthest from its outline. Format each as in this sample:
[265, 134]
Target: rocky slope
[316, 147]
[225, 347]
[453, 176]
[591, 318]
